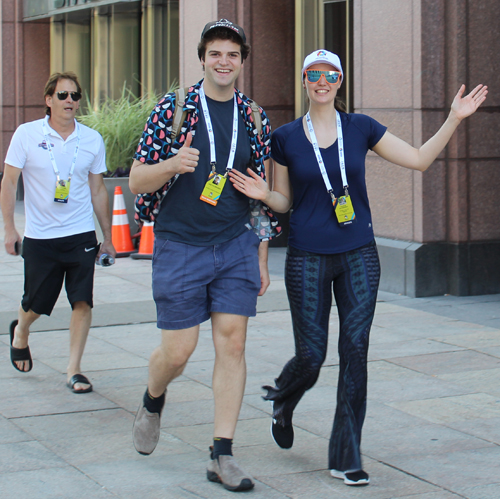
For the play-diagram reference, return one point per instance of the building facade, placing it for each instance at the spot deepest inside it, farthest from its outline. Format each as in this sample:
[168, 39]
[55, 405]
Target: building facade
[438, 232]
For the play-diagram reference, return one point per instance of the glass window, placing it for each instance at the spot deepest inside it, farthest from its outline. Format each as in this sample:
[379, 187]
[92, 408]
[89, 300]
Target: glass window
[337, 32]
[170, 73]
[125, 44]
[118, 44]
[76, 52]
[324, 24]
[70, 47]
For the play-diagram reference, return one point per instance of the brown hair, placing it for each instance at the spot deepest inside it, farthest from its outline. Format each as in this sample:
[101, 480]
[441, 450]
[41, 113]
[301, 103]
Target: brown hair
[50, 86]
[339, 105]
[222, 34]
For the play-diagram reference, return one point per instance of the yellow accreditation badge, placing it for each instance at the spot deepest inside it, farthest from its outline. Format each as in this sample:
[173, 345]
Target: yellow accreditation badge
[62, 191]
[344, 210]
[213, 189]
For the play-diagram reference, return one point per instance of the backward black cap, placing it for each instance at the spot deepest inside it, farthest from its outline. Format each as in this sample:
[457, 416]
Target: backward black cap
[224, 23]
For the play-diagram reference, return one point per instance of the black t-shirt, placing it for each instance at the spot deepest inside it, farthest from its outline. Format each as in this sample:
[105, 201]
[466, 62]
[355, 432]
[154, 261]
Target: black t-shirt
[183, 216]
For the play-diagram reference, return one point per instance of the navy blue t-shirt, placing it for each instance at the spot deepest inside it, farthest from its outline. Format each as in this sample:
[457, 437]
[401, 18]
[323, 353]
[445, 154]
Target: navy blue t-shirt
[313, 224]
[183, 216]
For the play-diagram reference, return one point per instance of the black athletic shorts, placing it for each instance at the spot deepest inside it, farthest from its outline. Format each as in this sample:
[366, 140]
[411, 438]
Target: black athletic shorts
[48, 262]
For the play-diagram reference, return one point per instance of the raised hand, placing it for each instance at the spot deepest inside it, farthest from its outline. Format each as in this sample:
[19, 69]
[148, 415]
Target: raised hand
[254, 186]
[465, 106]
[186, 160]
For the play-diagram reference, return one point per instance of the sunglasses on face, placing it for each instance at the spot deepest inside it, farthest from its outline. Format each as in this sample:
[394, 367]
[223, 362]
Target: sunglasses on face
[314, 75]
[63, 95]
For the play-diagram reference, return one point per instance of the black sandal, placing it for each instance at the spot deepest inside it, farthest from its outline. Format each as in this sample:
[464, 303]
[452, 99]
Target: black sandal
[79, 378]
[19, 354]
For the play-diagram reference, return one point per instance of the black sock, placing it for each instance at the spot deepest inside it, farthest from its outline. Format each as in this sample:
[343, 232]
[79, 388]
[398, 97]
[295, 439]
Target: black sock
[222, 447]
[153, 404]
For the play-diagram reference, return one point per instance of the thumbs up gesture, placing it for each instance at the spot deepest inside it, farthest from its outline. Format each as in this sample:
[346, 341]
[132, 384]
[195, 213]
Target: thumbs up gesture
[186, 160]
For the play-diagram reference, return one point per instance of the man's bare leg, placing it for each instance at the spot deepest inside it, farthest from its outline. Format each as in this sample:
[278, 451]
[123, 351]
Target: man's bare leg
[21, 334]
[79, 327]
[229, 335]
[170, 358]
[166, 363]
[229, 377]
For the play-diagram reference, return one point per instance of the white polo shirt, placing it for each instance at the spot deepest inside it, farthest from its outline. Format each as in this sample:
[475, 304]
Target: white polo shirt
[45, 218]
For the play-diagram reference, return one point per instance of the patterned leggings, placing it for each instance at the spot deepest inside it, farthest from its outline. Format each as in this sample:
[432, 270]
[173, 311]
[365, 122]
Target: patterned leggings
[308, 277]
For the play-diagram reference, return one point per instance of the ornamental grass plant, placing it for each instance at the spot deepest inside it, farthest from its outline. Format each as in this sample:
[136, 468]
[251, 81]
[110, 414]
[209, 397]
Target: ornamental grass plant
[121, 123]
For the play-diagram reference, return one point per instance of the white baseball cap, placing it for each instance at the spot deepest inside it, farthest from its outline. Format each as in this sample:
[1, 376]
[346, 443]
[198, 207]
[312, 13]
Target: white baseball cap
[323, 56]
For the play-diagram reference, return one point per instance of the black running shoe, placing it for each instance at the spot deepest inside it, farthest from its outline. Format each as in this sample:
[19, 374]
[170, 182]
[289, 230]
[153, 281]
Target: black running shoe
[359, 477]
[282, 435]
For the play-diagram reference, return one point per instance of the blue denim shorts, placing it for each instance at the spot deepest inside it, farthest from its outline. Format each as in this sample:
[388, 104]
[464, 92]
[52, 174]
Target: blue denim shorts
[191, 282]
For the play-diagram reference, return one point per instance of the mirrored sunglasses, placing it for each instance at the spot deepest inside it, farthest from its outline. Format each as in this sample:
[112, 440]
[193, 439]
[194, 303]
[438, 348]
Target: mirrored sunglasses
[314, 75]
[63, 95]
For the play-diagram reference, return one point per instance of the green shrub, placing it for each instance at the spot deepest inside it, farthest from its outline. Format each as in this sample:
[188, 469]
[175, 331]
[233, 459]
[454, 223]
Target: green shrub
[121, 123]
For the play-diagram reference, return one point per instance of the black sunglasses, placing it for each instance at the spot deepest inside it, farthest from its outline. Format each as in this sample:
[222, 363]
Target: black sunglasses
[63, 95]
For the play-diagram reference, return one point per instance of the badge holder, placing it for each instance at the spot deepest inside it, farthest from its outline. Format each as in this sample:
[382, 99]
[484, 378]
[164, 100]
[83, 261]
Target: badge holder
[62, 191]
[344, 210]
[342, 206]
[61, 194]
[213, 188]
[215, 184]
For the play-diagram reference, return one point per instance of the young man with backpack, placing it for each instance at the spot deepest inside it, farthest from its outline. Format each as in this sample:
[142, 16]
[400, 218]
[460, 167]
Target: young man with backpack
[210, 256]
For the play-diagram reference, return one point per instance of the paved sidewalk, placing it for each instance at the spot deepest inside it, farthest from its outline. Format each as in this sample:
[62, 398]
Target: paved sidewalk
[432, 429]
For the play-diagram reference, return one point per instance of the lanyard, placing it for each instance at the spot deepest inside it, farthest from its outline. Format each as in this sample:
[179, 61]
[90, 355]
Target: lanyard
[340, 141]
[51, 154]
[211, 138]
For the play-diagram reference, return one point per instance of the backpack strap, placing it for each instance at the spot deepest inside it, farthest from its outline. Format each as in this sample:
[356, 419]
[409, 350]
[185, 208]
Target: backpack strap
[179, 113]
[257, 118]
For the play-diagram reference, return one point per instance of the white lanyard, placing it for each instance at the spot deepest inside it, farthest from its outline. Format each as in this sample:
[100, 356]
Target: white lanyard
[211, 138]
[51, 154]
[340, 140]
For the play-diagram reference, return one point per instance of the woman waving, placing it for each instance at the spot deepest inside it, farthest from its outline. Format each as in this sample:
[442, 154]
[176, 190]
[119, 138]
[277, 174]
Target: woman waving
[319, 170]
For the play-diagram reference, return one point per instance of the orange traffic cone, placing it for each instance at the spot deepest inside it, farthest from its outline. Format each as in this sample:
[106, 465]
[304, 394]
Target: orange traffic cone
[147, 242]
[120, 230]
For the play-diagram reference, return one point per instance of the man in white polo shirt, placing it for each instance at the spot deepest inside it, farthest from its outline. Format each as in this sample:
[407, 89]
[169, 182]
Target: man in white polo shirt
[62, 163]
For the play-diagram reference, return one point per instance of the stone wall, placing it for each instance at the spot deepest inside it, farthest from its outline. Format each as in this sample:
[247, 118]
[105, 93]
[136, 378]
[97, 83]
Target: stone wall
[411, 56]
[25, 62]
